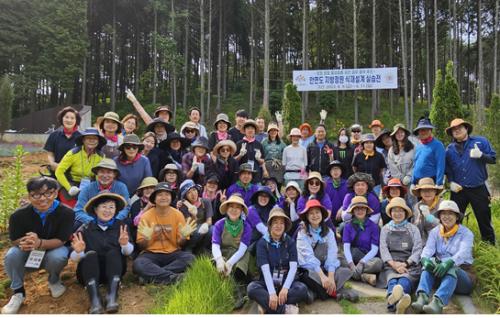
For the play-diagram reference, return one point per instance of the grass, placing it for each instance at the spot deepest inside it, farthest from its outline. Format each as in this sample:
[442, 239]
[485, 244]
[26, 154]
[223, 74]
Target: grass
[201, 291]
[349, 308]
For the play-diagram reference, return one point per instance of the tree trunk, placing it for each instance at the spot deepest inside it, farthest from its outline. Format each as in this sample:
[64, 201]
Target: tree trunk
[305, 54]
[391, 92]
[495, 88]
[155, 54]
[113, 63]
[436, 66]
[355, 53]
[374, 57]
[252, 58]
[137, 59]
[265, 99]
[428, 92]
[482, 93]
[403, 58]
[209, 84]
[412, 66]
[202, 58]
[219, 60]
[186, 59]
[173, 82]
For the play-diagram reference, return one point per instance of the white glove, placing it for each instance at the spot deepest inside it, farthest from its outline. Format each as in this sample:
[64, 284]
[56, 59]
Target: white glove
[412, 186]
[475, 152]
[258, 154]
[130, 95]
[191, 208]
[322, 114]
[73, 191]
[195, 164]
[243, 150]
[406, 180]
[220, 264]
[228, 269]
[425, 210]
[279, 116]
[203, 229]
[455, 187]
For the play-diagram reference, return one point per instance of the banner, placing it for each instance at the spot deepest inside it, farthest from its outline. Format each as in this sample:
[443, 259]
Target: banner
[346, 79]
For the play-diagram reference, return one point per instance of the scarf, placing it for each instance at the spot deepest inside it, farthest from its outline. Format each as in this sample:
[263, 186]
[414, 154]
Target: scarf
[102, 188]
[395, 226]
[43, 214]
[197, 203]
[222, 135]
[69, 132]
[249, 139]
[274, 243]
[113, 138]
[336, 183]
[368, 154]
[144, 201]
[426, 140]
[104, 224]
[234, 228]
[316, 234]
[434, 203]
[359, 223]
[127, 162]
[446, 235]
[241, 185]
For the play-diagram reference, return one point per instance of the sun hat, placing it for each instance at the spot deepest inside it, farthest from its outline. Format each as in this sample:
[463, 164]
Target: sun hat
[278, 212]
[106, 163]
[161, 186]
[168, 166]
[376, 122]
[131, 139]
[90, 132]
[379, 140]
[91, 204]
[357, 127]
[235, 198]
[305, 125]
[398, 202]
[190, 125]
[165, 144]
[457, 122]
[360, 176]
[168, 127]
[246, 167]
[187, 185]
[295, 132]
[263, 190]
[111, 116]
[426, 183]
[272, 126]
[222, 117]
[147, 182]
[293, 184]
[250, 122]
[367, 138]
[423, 123]
[359, 201]
[335, 163]
[225, 143]
[394, 182]
[163, 108]
[449, 205]
[201, 142]
[313, 204]
[315, 175]
[400, 126]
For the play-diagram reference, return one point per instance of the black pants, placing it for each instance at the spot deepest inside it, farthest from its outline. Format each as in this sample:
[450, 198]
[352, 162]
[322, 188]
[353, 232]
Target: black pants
[102, 268]
[480, 200]
[257, 291]
[158, 267]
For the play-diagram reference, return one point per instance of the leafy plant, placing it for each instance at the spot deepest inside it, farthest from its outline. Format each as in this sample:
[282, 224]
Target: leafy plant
[291, 108]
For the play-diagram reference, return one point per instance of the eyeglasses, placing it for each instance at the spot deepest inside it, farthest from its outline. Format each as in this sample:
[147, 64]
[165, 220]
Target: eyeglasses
[129, 146]
[47, 195]
[224, 150]
[314, 182]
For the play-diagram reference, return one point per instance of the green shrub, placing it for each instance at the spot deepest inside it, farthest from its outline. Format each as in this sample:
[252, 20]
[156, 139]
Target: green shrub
[202, 291]
[292, 107]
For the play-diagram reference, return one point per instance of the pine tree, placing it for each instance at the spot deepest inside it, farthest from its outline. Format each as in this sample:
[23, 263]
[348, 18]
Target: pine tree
[6, 99]
[291, 107]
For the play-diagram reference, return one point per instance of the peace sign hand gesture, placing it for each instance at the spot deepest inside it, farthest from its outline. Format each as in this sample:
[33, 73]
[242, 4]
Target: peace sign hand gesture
[78, 244]
[123, 239]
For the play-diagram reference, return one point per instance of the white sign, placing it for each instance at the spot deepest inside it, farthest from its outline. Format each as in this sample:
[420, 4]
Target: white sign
[346, 79]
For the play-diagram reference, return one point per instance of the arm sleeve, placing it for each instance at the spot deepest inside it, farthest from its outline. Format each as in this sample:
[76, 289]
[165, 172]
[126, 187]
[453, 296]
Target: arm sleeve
[430, 246]
[347, 253]
[440, 164]
[283, 158]
[371, 254]
[123, 191]
[261, 228]
[385, 254]
[305, 252]
[291, 275]
[127, 249]
[293, 214]
[83, 198]
[64, 165]
[332, 261]
[417, 246]
[76, 257]
[216, 252]
[268, 279]
[238, 255]
[489, 155]
[464, 251]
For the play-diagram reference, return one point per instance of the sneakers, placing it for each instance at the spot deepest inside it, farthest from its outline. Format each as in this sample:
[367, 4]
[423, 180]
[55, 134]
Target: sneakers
[369, 279]
[397, 293]
[14, 304]
[291, 310]
[57, 289]
[403, 304]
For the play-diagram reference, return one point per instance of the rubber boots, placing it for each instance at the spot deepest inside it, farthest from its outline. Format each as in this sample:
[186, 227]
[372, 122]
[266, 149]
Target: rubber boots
[94, 297]
[112, 296]
[435, 307]
[422, 300]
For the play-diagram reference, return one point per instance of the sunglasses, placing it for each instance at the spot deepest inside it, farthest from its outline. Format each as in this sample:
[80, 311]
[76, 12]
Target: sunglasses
[131, 146]
[189, 131]
[224, 150]
[314, 182]
[356, 131]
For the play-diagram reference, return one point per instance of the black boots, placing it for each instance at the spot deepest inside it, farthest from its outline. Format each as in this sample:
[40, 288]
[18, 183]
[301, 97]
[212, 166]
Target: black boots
[94, 297]
[112, 296]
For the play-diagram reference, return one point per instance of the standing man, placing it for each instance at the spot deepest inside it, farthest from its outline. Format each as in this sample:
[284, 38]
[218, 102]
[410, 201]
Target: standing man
[237, 132]
[429, 154]
[466, 159]
[319, 152]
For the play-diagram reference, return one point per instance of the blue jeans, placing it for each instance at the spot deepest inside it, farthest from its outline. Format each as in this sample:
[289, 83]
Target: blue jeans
[403, 281]
[447, 285]
[53, 262]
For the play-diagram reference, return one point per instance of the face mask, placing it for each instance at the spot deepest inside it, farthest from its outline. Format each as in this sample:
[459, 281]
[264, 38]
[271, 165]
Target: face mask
[343, 139]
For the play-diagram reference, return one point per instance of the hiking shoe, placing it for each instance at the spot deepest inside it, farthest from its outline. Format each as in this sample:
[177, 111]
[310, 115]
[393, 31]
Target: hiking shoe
[395, 296]
[422, 300]
[435, 307]
[370, 279]
[291, 310]
[57, 289]
[403, 304]
[14, 304]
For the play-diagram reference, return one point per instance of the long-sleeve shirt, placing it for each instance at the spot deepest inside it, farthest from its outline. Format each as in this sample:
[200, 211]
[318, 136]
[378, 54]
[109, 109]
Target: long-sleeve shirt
[246, 193]
[256, 221]
[429, 161]
[305, 251]
[133, 174]
[400, 165]
[336, 194]
[416, 250]
[91, 191]
[464, 170]
[273, 150]
[458, 248]
[365, 238]
[294, 159]
[79, 165]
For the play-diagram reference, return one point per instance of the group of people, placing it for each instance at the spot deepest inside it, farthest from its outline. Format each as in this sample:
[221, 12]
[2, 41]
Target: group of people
[292, 217]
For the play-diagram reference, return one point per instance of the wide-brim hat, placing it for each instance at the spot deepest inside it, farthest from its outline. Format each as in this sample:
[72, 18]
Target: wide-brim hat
[222, 117]
[168, 127]
[376, 122]
[356, 126]
[423, 123]
[235, 198]
[190, 125]
[315, 175]
[359, 201]
[165, 144]
[295, 132]
[250, 122]
[449, 205]
[169, 166]
[426, 183]
[225, 143]
[91, 132]
[111, 116]
[400, 126]
[379, 140]
[106, 163]
[272, 126]
[246, 167]
[367, 138]
[263, 190]
[313, 204]
[187, 185]
[147, 182]
[360, 176]
[457, 122]
[120, 202]
[394, 182]
[161, 186]
[293, 184]
[306, 125]
[131, 139]
[335, 163]
[201, 142]
[398, 202]
[163, 108]
[278, 212]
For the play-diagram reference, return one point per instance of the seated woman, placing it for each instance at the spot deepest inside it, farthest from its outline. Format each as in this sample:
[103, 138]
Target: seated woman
[230, 240]
[277, 291]
[212, 193]
[361, 241]
[243, 185]
[393, 189]
[400, 249]
[133, 166]
[100, 251]
[258, 213]
[174, 148]
[288, 203]
[317, 255]
[199, 209]
[446, 260]
[140, 206]
[314, 188]
[336, 187]
[361, 184]
[225, 166]
[425, 209]
[157, 157]
[197, 163]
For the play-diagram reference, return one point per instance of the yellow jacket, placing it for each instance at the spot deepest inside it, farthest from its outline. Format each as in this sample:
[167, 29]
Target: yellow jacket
[79, 165]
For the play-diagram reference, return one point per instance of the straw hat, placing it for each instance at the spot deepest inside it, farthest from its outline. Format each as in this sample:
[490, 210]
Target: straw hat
[426, 183]
[457, 122]
[295, 132]
[120, 202]
[278, 212]
[147, 182]
[400, 203]
[359, 201]
[225, 143]
[235, 198]
[111, 116]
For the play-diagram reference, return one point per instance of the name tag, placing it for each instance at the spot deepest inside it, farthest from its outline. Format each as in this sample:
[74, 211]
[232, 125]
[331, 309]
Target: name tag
[35, 259]
[278, 277]
[404, 244]
[251, 162]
